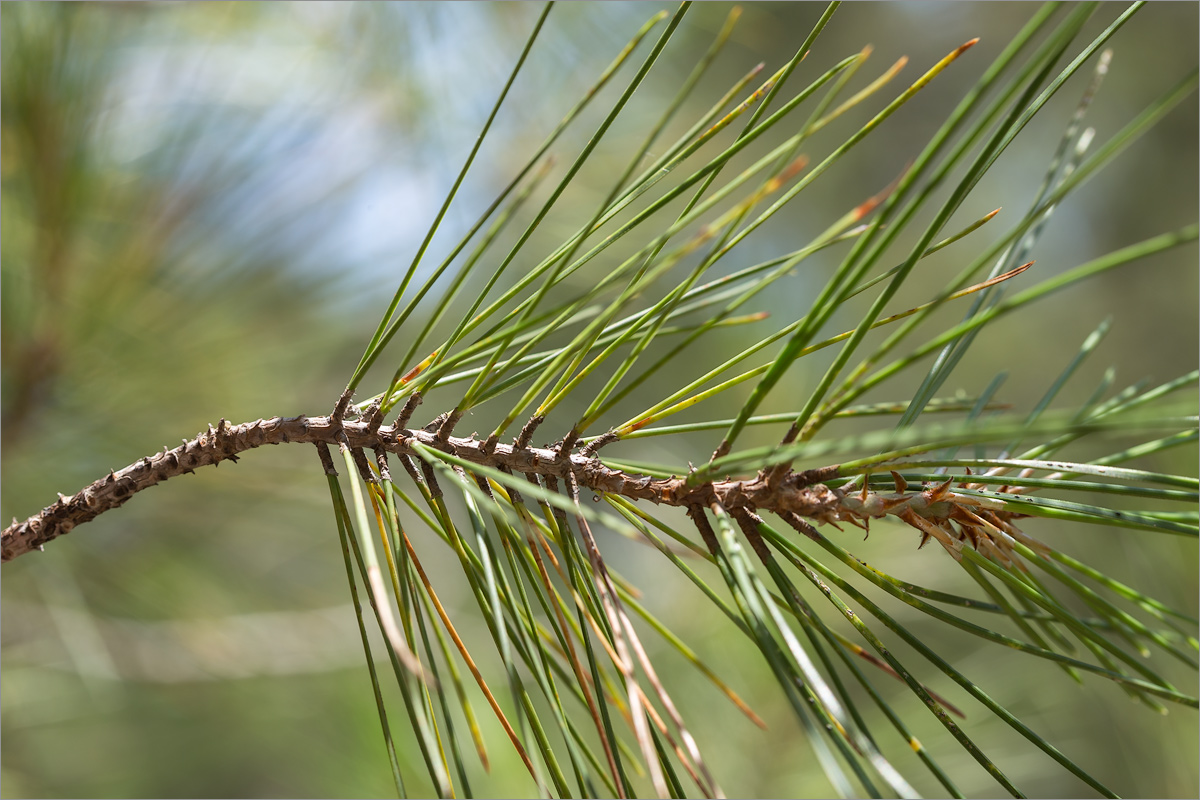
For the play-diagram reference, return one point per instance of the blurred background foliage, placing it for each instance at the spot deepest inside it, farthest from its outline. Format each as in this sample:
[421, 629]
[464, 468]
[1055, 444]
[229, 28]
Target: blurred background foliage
[205, 206]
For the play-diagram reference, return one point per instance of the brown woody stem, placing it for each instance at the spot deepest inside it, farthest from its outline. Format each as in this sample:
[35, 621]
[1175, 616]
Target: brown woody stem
[227, 441]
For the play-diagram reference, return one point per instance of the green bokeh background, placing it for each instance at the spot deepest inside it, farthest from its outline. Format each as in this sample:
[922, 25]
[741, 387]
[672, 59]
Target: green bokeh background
[207, 206]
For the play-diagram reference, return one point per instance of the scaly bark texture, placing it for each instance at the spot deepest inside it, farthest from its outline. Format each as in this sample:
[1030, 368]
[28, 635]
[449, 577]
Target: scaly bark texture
[937, 512]
[797, 493]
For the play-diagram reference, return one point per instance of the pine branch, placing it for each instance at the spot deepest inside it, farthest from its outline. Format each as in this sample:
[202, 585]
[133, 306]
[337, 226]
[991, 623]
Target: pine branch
[798, 494]
[796, 497]
[557, 610]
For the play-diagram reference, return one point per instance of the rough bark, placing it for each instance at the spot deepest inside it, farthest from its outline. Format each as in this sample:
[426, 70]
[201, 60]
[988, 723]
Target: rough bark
[797, 493]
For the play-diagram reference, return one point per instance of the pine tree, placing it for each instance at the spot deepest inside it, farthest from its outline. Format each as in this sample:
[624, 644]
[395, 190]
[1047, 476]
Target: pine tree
[501, 412]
